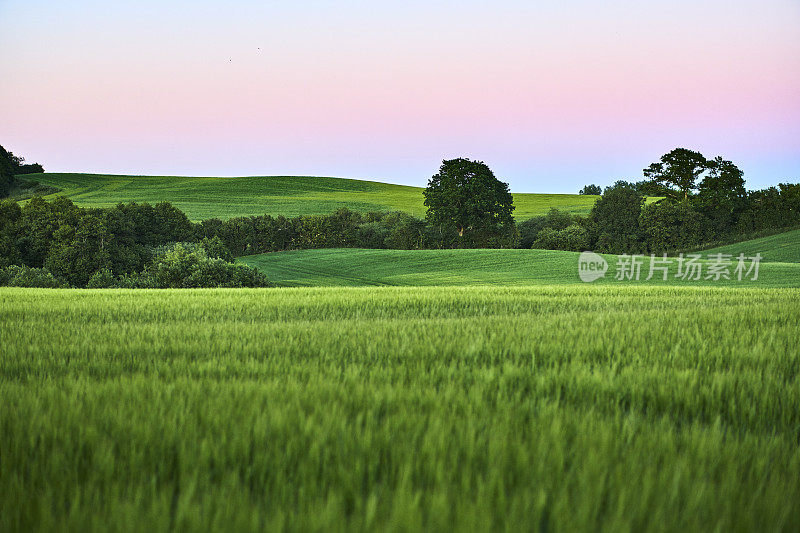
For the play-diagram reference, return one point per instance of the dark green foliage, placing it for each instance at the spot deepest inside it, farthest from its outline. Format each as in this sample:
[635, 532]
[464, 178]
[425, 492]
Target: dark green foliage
[188, 266]
[774, 207]
[554, 221]
[6, 172]
[405, 232]
[466, 197]
[40, 220]
[74, 243]
[591, 189]
[573, 237]
[670, 225]
[677, 172]
[372, 235]
[614, 220]
[10, 214]
[24, 276]
[102, 279]
[77, 252]
[337, 230]
[216, 249]
[721, 195]
[529, 229]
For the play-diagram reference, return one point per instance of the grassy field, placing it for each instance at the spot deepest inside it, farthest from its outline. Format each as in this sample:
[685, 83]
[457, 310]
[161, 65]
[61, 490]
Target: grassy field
[782, 247]
[202, 198]
[552, 408]
[357, 267]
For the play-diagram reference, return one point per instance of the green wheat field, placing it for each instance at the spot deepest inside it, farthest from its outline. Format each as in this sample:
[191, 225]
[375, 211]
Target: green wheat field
[468, 408]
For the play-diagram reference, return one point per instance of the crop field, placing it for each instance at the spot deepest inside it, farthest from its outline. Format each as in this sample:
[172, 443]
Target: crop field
[574, 407]
[357, 267]
[782, 247]
[202, 198]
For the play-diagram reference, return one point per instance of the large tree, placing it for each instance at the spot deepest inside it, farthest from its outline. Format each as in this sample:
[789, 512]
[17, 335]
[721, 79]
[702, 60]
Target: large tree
[721, 195]
[614, 219]
[677, 172]
[466, 196]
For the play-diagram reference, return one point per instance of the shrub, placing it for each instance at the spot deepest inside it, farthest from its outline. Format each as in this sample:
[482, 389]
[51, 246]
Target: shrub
[102, 279]
[668, 225]
[23, 276]
[188, 266]
[573, 238]
[216, 249]
[372, 235]
[555, 219]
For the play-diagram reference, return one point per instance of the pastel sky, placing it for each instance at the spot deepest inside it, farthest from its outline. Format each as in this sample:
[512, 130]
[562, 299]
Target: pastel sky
[551, 94]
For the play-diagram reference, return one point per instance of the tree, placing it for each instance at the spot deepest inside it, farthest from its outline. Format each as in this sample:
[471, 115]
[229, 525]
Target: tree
[467, 197]
[6, 172]
[667, 225]
[677, 172]
[10, 214]
[614, 220]
[591, 189]
[77, 252]
[721, 195]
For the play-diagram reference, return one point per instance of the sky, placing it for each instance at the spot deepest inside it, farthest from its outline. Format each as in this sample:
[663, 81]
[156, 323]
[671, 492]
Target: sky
[552, 95]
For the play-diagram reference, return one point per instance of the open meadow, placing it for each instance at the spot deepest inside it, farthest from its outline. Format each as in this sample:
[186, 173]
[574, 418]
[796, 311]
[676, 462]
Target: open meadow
[569, 407]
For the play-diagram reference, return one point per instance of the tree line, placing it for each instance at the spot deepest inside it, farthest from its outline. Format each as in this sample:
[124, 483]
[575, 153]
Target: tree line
[127, 243]
[699, 201]
[56, 243]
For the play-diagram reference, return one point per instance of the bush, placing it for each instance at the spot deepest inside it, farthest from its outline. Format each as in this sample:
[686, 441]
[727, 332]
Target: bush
[573, 238]
[372, 235]
[529, 230]
[555, 219]
[102, 279]
[23, 276]
[669, 225]
[188, 266]
[216, 249]
[405, 232]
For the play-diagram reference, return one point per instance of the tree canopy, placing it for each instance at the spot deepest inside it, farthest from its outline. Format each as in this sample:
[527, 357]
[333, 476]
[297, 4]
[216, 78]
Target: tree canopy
[677, 172]
[591, 189]
[465, 195]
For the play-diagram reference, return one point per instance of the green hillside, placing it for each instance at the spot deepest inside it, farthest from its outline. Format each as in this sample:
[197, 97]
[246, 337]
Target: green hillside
[355, 267]
[202, 198]
[784, 247]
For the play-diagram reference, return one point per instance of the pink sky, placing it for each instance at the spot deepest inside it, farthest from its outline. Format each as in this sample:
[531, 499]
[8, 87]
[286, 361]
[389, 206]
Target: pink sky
[552, 95]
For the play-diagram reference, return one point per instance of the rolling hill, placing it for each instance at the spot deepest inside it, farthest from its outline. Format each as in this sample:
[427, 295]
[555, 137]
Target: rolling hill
[782, 247]
[359, 267]
[201, 198]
